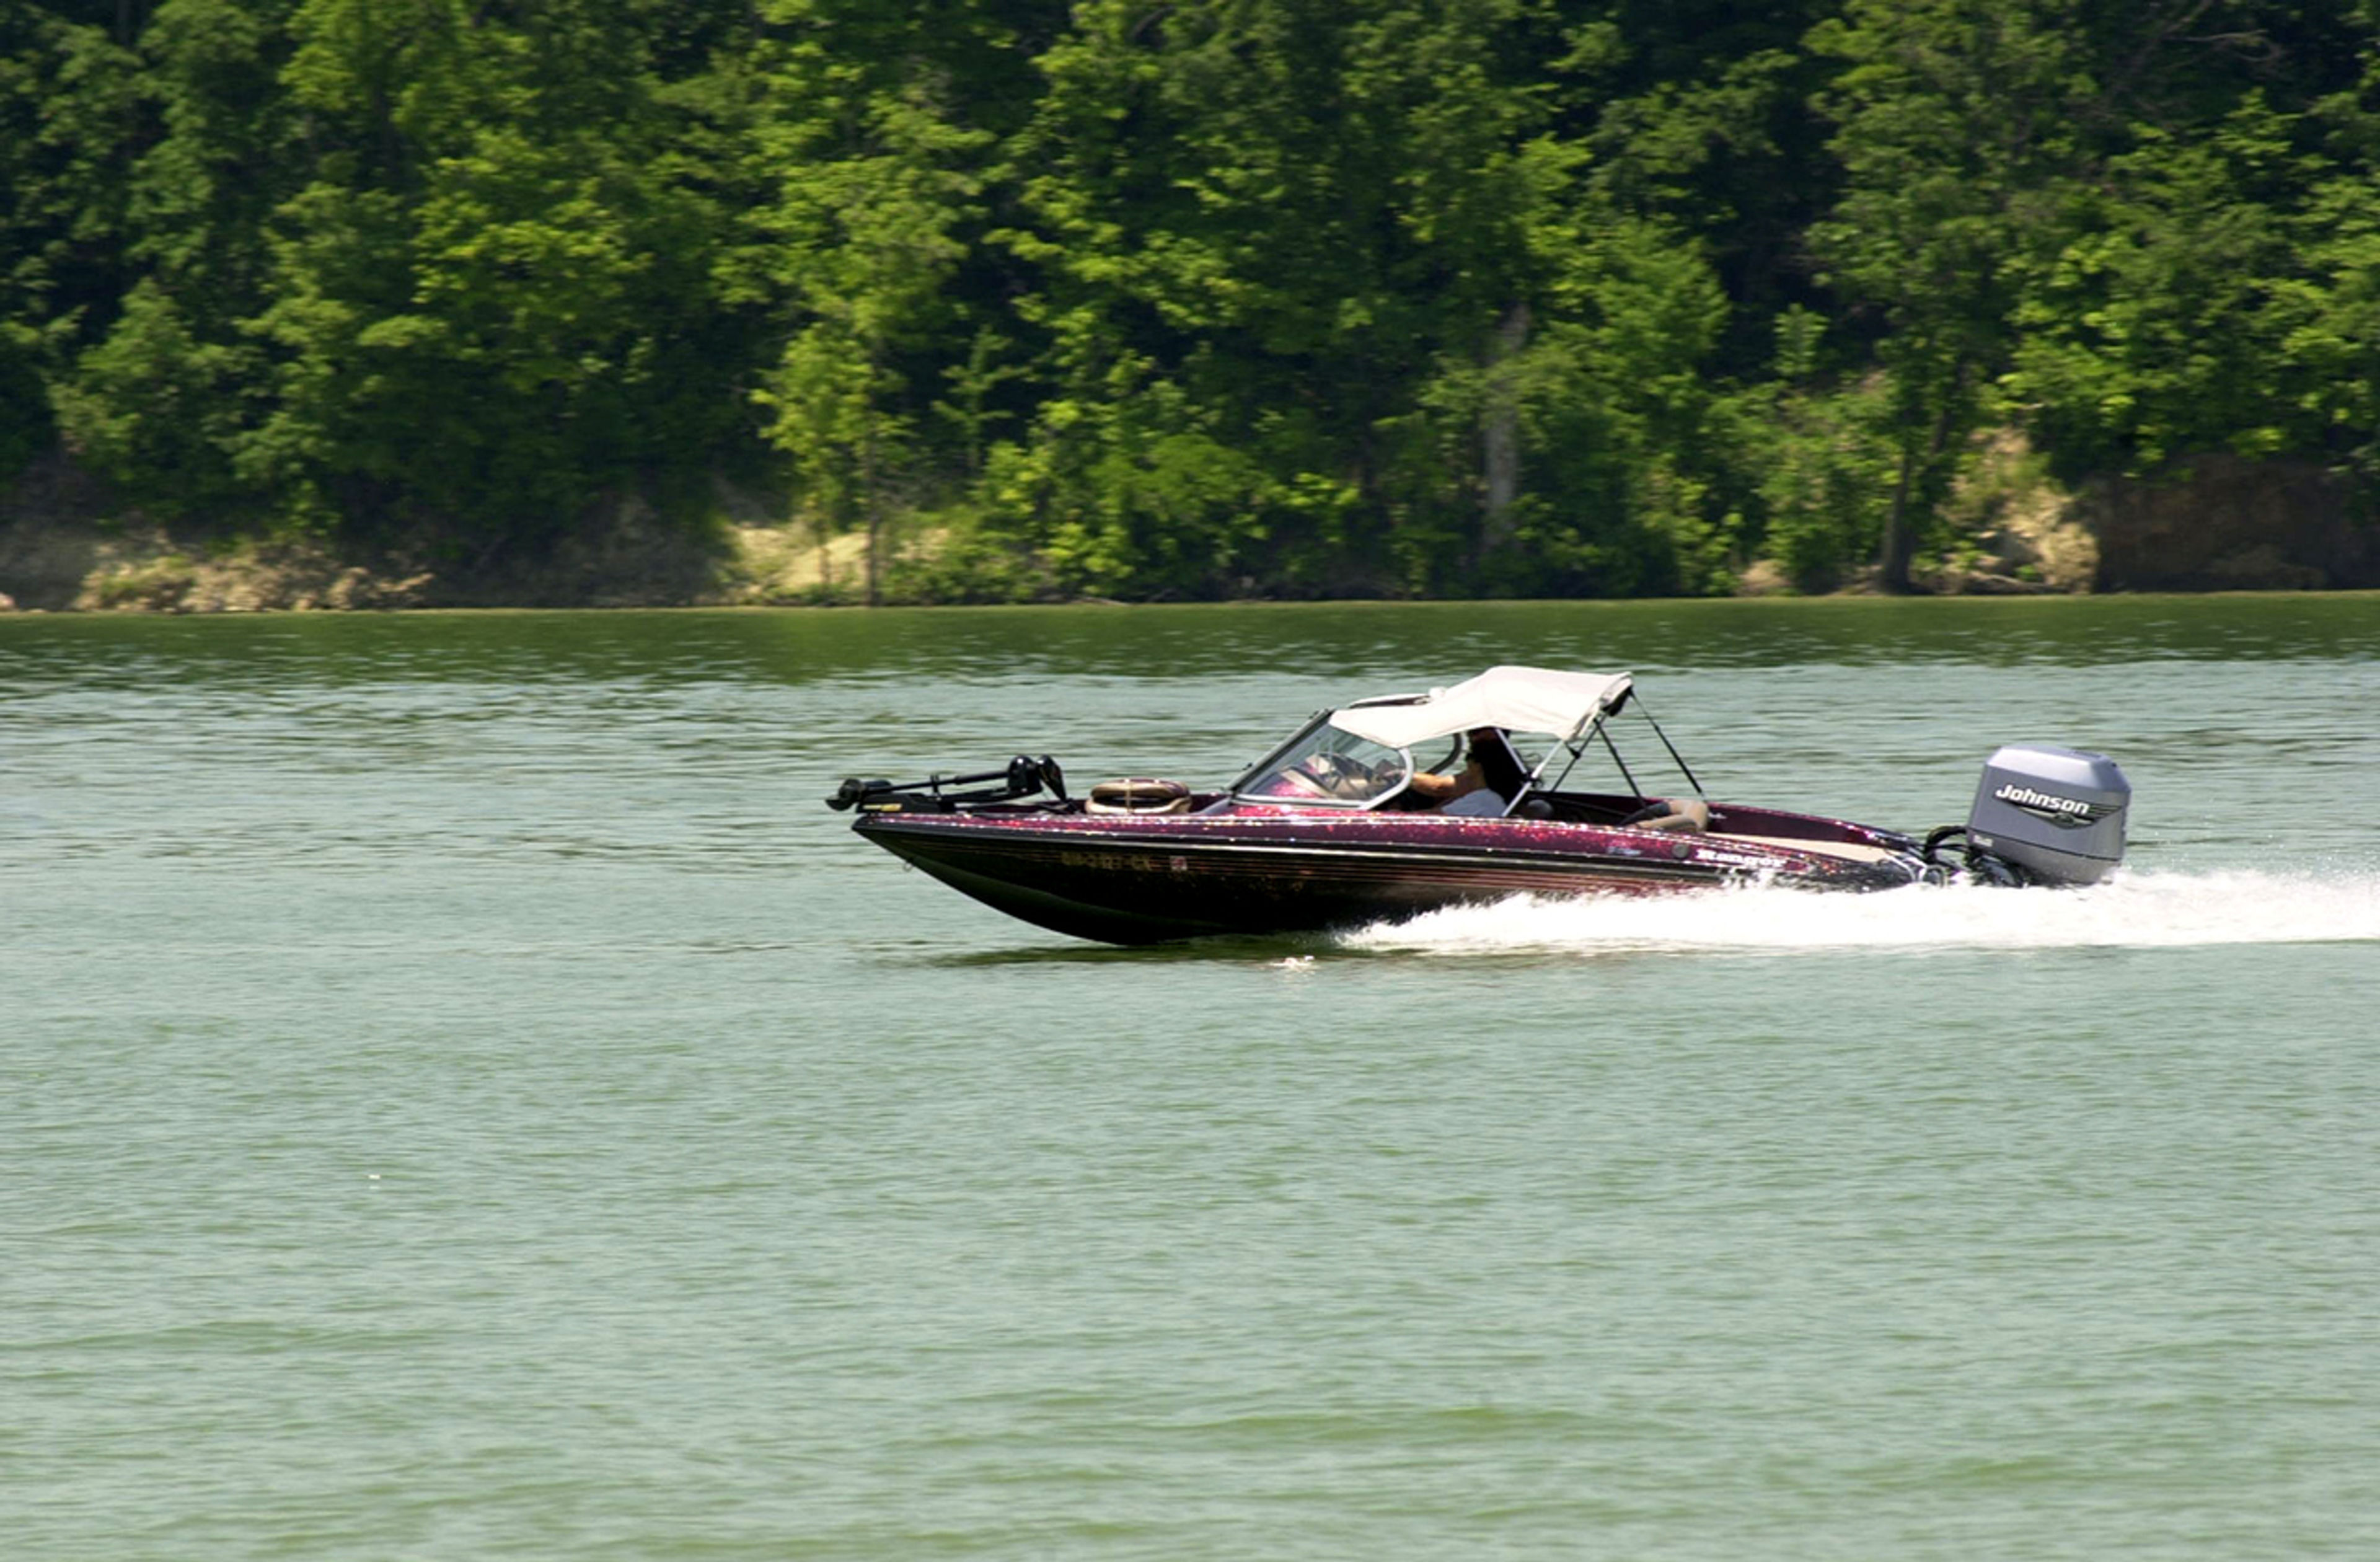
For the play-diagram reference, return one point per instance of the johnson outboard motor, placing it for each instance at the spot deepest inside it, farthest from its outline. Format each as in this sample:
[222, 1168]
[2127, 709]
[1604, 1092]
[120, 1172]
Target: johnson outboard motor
[2043, 815]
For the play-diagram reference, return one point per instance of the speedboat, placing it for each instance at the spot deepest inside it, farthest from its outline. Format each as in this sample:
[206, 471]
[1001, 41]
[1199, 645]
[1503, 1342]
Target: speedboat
[1407, 803]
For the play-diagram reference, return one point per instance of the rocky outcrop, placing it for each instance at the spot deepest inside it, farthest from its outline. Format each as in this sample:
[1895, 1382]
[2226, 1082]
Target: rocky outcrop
[2040, 550]
[2212, 523]
[2224, 523]
[48, 543]
[58, 553]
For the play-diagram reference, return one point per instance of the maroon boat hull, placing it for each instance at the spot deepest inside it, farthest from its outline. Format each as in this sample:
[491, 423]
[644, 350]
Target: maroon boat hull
[1144, 880]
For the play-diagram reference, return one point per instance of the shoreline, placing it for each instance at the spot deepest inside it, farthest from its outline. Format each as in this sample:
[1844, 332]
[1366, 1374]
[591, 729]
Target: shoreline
[2232, 527]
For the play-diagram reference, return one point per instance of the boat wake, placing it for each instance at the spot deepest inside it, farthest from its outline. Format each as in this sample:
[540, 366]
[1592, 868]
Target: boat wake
[2131, 910]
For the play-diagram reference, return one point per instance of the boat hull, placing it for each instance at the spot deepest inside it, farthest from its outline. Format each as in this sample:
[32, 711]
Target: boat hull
[1145, 881]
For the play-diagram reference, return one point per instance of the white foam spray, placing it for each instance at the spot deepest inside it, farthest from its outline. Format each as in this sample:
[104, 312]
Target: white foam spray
[2132, 910]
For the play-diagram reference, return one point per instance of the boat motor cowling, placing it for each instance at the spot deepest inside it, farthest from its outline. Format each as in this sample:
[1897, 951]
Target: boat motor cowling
[2055, 815]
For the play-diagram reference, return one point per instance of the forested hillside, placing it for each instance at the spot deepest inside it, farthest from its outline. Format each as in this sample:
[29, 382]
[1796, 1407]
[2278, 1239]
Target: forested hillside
[1209, 299]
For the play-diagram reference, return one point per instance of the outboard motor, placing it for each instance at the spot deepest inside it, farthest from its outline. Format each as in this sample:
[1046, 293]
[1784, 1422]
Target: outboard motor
[2044, 815]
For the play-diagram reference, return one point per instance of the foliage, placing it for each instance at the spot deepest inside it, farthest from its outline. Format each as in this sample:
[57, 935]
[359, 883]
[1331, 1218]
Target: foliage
[1213, 298]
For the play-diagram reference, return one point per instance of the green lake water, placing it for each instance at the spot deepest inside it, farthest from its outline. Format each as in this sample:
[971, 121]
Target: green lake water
[463, 1096]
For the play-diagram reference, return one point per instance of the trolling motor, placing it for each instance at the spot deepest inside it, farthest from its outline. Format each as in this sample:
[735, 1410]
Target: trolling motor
[2042, 815]
[1024, 776]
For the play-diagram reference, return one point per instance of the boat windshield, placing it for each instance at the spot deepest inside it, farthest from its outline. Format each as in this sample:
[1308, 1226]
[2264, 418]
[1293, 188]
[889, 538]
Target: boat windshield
[1329, 766]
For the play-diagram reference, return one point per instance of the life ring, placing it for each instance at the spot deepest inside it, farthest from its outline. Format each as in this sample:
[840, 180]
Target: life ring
[1138, 794]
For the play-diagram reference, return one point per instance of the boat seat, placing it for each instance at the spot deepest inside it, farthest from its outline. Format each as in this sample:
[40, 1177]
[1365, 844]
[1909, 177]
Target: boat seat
[1689, 816]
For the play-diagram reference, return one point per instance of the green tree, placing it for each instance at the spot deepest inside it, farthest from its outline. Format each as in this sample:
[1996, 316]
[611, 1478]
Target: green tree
[74, 117]
[490, 304]
[161, 399]
[1209, 198]
[872, 146]
[1312, 240]
[1822, 441]
[2210, 297]
[1958, 126]
[1197, 298]
[2153, 332]
[874, 204]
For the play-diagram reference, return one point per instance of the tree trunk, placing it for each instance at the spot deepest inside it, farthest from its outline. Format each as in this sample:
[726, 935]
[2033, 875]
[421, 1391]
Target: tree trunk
[1899, 543]
[1892, 558]
[1501, 433]
[874, 510]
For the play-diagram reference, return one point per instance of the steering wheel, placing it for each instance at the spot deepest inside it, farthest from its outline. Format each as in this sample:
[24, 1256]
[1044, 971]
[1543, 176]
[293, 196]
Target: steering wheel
[1337, 775]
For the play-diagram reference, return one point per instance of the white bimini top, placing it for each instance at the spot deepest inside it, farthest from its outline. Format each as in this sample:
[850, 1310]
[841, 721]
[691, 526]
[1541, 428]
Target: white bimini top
[1517, 699]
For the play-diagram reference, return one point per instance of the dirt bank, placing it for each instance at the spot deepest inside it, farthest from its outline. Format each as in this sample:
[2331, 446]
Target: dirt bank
[2217, 523]
[58, 555]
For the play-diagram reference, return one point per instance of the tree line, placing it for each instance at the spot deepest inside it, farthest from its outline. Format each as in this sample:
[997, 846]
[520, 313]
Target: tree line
[1198, 298]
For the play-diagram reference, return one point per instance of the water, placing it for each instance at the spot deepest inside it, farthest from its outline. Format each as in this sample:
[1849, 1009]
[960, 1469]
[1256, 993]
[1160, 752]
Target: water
[465, 1098]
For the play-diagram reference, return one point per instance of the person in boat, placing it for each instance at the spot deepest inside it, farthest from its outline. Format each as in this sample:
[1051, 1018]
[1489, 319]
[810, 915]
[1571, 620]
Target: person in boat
[1490, 778]
[1494, 774]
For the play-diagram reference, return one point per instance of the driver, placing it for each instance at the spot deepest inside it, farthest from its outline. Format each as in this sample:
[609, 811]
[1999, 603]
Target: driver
[1439, 791]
